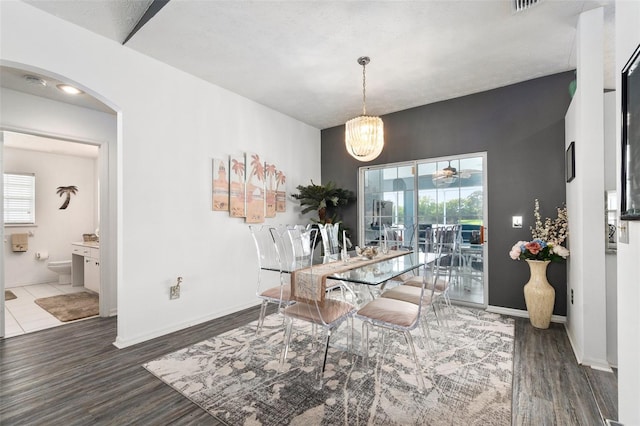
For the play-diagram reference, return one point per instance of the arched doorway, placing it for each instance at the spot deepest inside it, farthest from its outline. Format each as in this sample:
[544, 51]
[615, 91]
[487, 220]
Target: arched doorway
[32, 111]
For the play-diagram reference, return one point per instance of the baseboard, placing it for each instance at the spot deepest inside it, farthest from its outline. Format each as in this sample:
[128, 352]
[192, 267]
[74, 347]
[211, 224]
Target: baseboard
[123, 343]
[522, 313]
[601, 365]
[574, 347]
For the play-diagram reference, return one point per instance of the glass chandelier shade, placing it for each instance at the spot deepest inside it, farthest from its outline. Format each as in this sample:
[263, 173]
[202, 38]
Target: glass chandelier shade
[364, 135]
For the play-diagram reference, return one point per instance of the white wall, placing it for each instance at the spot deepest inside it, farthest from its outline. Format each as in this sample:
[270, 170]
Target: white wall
[575, 315]
[627, 39]
[56, 229]
[166, 139]
[610, 179]
[586, 319]
[22, 112]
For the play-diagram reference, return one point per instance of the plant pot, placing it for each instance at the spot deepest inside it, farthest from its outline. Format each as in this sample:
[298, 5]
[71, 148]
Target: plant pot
[539, 295]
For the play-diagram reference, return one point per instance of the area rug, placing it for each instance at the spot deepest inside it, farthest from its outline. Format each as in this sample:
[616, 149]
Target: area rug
[72, 306]
[235, 376]
[8, 295]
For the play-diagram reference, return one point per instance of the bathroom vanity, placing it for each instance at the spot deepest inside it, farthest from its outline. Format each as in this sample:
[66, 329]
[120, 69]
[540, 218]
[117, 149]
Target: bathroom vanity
[85, 265]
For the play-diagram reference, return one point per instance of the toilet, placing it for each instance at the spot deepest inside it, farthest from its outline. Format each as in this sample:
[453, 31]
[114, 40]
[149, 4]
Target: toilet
[63, 269]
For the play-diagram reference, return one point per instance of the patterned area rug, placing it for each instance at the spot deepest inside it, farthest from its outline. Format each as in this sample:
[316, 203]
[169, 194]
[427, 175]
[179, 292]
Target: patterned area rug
[235, 376]
[72, 306]
[9, 295]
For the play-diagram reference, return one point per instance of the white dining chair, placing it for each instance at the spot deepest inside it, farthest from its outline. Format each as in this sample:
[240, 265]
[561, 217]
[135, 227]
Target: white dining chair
[315, 307]
[431, 278]
[332, 249]
[394, 315]
[449, 263]
[273, 286]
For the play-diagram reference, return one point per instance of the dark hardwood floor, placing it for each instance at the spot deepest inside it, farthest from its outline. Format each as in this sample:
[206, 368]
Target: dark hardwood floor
[551, 388]
[73, 375]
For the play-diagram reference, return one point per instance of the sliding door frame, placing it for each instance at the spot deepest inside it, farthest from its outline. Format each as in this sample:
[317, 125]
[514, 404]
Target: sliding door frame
[414, 164]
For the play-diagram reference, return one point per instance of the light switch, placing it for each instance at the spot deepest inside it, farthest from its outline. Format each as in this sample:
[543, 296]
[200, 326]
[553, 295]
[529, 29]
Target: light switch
[516, 222]
[623, 232]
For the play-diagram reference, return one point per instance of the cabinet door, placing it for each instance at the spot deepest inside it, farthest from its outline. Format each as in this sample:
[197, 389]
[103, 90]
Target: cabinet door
[92, 274]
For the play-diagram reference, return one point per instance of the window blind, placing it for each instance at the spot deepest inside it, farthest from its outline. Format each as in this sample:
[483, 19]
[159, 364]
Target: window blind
[19, 198]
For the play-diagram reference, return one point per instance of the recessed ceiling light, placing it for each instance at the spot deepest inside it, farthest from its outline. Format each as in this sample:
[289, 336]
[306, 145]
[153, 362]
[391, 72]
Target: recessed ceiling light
[69, 89]
[35, 80]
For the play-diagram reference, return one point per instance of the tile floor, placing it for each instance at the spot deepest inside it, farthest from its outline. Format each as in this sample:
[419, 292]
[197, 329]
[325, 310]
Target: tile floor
[22, 315]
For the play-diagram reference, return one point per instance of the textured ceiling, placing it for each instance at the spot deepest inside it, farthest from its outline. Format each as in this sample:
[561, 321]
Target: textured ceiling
[111, 18]
[299, 57]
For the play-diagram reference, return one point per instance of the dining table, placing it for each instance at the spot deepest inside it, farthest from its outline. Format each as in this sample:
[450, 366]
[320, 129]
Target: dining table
[309, 284]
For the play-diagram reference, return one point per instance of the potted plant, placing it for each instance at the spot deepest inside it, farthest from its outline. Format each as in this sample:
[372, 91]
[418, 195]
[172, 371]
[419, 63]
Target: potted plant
[328, 200]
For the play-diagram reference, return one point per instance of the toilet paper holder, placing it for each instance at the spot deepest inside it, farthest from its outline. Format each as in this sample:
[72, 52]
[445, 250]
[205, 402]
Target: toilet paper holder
[42, 255]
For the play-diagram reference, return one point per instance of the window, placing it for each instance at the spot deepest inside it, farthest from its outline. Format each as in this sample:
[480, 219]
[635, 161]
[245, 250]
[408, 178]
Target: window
[19, 198]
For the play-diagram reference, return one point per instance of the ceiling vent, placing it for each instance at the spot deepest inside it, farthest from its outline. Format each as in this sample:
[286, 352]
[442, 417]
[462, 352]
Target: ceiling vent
[521, 5]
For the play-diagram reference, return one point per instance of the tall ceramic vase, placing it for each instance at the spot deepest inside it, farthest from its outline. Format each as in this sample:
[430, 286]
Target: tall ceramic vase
[539, 295]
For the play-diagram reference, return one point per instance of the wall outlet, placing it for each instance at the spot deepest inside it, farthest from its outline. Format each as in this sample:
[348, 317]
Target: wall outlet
[174, 292]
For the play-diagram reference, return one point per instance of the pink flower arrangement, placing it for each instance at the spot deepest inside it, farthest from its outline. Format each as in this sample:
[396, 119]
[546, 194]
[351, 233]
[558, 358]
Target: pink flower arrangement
[547, 239]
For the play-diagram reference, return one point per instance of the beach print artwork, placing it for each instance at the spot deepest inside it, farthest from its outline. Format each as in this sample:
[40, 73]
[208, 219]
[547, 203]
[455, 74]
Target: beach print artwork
[237, 186]
[281, 191]
[220, 185]
[270, 189]
[254, 190]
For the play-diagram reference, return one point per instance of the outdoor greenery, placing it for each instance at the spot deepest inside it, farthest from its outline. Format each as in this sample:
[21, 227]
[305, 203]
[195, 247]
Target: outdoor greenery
[464, 210]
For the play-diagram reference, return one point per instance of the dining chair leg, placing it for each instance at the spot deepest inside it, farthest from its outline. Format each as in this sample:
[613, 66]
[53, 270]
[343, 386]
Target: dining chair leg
[435, 312]
[426, 334]
[420, 379]
[314, 330]
[371, 295]
[349, 290]
[449, 304]
[323, 364]
[438, 305]
[350, 335]
[287, 338]
[365, 344]
[263, 311]
[383, 334]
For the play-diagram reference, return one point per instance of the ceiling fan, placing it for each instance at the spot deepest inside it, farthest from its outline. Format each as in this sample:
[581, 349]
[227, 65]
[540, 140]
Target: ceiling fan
[445, 177]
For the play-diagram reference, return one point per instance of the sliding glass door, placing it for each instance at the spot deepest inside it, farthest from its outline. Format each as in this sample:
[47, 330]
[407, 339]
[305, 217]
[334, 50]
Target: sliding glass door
[389, 199]
[415, 197]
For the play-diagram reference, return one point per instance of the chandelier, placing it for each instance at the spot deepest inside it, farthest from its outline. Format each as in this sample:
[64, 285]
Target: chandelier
[364, 135]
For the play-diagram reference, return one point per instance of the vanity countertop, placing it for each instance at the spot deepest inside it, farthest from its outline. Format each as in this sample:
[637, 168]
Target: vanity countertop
[92, 244]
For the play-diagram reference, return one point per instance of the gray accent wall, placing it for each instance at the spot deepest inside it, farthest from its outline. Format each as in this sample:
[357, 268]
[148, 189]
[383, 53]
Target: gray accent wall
[521, 127]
